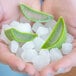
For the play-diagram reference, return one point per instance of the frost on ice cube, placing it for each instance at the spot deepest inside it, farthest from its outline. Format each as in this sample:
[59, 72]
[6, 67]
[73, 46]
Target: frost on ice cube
[28, 45]
[50, 24]
[38, 42]
[14, 46]
[28, 55]
[67, 48]
[55, 54]
[42, 31]
[70, 38]
[36, 26]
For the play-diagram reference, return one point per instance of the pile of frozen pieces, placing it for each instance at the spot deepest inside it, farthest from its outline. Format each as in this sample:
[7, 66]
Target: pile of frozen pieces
[31, 51]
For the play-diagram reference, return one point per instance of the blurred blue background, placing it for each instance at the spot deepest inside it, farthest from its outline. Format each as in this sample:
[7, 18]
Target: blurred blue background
[6, 71]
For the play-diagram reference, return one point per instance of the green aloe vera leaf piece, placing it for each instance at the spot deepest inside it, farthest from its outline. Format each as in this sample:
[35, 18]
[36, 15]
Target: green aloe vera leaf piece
[57, 37]
[34, 15]
[13, 34]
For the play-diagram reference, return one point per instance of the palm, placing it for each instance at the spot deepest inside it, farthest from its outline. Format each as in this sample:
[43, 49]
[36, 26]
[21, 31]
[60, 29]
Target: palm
[63, 8]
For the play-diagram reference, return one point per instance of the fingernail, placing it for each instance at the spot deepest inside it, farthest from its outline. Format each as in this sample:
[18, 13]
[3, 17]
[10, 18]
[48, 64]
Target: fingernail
[49, 74]
[61, 70]
[21, 67]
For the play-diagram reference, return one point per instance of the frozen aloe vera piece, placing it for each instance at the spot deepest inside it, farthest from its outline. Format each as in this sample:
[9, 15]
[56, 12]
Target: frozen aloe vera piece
[57, 37]
[13, 34]
[34, 15]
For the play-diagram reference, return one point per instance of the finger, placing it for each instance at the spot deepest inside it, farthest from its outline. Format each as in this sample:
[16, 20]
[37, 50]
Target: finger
[47, 71]
[66, 62]
[10, 59]
[63, 70]
[74, 43]
[30, 69]
[16, 63]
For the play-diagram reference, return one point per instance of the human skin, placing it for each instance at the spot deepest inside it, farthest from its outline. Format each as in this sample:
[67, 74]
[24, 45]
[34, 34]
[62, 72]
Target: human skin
[9, 11]
[67, 9]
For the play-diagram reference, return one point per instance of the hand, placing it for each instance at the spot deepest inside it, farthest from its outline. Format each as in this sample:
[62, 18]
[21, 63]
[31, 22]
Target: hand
[65, 8]
[14, 62]
[62, 66]
[9, 11]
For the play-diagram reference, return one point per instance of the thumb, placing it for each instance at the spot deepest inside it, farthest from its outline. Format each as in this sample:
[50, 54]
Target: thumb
[10, 59]
[66, 63]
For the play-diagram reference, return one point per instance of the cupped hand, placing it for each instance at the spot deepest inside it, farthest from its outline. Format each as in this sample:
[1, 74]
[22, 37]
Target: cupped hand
[63, 65]
[67, 9]
[6, 57]
[9, 11]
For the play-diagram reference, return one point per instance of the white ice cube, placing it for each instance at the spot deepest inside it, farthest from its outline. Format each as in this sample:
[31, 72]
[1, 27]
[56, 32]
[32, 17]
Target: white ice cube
[67, 48]
[36, 62]
[42, 31]
[70, 38]
[38, 42]
[41, 61]
[28, 45]
[46, 55]
[36, 26]
[50, 24]
[14, 46]
[18, 26]
[24, 27]
[27, 27]
[28, 55]
[55, 54]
